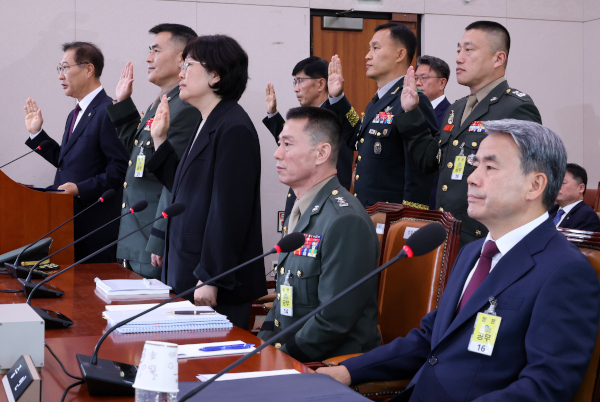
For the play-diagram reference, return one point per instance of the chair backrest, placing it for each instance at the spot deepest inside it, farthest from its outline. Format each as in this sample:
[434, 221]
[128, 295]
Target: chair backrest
[411, 288]
[589, 244]
[378, 212]
[591, 198]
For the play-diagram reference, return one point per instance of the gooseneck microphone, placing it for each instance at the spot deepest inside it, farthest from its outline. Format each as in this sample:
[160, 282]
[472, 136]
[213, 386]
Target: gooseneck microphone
[423, 241]
[108, 194]
[42, 145]
[138, 207]
[103, 377]
[54, 319]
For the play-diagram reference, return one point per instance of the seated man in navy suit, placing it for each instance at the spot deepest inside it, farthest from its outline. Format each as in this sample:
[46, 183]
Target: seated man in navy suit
[570, 211]
[91, 158]
[519, 316]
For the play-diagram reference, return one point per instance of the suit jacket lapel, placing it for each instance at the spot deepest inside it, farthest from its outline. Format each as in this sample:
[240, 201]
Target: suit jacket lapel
[447, 311]
[511, 267]
[86, 116]
[182, 163]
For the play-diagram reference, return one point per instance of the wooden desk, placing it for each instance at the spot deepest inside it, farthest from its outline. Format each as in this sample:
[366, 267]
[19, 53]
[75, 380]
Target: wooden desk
[85, 308]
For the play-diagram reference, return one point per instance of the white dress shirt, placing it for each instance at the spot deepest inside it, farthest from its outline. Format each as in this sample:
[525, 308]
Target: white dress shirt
[437, 101]
[506, 243]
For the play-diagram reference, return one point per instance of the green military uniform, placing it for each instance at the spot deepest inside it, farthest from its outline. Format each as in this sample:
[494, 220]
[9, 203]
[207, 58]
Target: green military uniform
[341, 248]
[439, 151]
[134, 132]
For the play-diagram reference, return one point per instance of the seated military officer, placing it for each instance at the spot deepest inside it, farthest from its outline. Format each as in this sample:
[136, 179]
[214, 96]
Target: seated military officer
[341, 247]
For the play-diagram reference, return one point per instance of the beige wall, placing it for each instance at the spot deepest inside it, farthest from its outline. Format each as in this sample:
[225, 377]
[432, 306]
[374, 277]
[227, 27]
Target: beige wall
[554, 58]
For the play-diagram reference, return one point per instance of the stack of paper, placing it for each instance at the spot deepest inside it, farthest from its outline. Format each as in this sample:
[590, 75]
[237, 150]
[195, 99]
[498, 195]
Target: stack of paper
[118, 287]
[163, 319]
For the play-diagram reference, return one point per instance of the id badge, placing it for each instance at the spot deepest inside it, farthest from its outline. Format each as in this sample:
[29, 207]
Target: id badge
[139, 166]
[459, 167]
[484, 335]
[286, 300]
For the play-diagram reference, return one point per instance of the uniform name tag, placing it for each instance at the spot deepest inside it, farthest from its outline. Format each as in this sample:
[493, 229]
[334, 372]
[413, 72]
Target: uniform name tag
[139, 166]
[484, 334]
[286, 300]
[459, 167]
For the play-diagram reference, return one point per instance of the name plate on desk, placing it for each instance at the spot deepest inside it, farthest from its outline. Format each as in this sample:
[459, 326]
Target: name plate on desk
[22, 383]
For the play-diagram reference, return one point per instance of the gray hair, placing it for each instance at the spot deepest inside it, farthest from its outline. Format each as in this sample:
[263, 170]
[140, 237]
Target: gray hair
[541, 151]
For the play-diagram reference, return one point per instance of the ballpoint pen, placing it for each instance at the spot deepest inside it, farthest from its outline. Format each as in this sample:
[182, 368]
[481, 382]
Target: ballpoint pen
[226, 347]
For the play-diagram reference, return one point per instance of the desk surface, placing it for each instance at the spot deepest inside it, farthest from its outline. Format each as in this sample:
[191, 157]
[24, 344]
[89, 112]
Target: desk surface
[84, 307]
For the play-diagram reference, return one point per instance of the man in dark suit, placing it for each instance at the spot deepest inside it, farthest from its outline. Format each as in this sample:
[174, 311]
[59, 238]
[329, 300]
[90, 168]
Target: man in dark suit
[481, 65]
[570, 212]
[91, 158]
[218, 179]
[519, 316]
[384, 169]
[143, 251]
[310, 87]
[431, 76]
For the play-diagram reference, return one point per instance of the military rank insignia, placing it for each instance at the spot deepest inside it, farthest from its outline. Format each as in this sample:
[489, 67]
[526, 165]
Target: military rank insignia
[148, 124]
[476, 127]
[383, 118]
[310, 247]
[451, 117]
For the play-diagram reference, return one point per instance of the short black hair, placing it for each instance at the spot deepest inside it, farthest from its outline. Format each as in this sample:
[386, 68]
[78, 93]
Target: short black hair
[498, 31]
[180, 33]
[86, 52]
[223, 55]
[402, 35]
[578, 173]
[314, 67]
[439, 66]
[322, 126]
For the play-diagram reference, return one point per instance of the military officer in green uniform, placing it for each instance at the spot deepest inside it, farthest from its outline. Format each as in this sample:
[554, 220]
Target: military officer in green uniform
[341, 247]
[481, 65]
[143, 250]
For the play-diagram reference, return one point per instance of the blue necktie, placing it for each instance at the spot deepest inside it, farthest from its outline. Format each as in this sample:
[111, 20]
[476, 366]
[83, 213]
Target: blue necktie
[559, 215]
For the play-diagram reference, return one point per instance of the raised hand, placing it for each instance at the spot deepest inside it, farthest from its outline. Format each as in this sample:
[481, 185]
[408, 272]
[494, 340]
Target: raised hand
[33, 117]
[409, 97]
[335, 80]
[125, 84]
[271, 99]
[161, 123]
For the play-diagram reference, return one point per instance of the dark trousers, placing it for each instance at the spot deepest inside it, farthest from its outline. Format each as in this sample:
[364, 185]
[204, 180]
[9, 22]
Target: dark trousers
[238, 314]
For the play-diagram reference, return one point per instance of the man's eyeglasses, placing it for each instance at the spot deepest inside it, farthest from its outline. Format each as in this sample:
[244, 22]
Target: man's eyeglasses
[424, 78]
[62, 68]
[187, 63]
[300, 80]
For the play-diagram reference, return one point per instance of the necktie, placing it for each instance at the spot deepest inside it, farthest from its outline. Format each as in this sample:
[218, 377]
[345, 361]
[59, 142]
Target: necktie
[471, 102]
[559, 215]
[481, 272]
[77, 110]
[294, 216]
[373, 101]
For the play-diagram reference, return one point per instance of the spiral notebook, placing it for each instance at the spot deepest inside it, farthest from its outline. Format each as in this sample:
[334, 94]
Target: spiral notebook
[161, 320]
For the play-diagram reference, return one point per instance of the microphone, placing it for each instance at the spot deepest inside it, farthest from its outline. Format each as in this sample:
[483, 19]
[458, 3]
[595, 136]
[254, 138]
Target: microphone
[28, 285]
[422, 242]
[106, 378]
[13, 268]
[42, 145]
